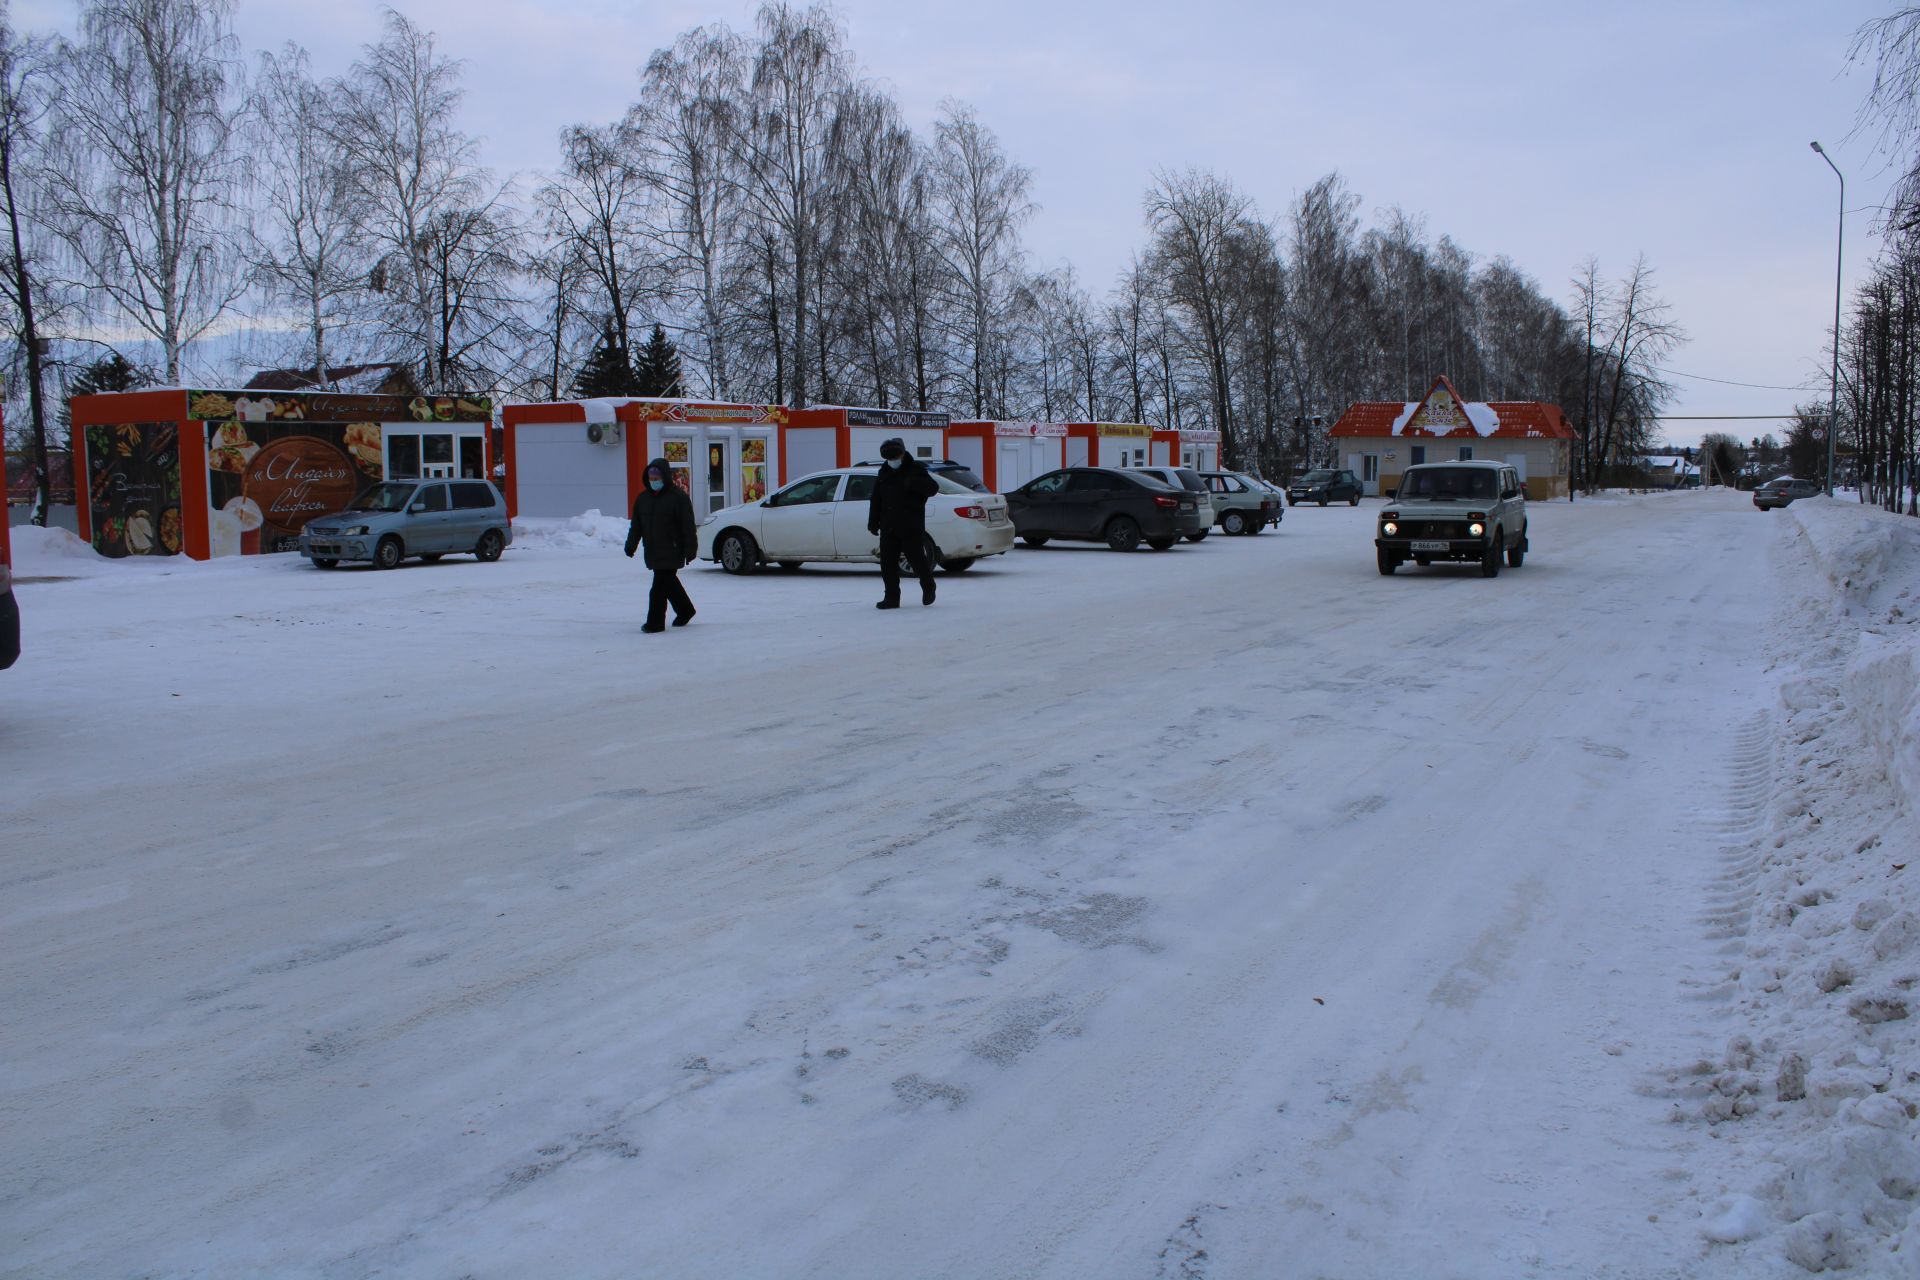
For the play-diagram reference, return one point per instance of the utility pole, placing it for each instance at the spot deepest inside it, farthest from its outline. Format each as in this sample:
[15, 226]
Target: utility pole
[1833, 387]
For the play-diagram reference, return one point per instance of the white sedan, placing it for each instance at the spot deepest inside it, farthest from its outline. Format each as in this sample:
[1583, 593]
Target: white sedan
[824, 517]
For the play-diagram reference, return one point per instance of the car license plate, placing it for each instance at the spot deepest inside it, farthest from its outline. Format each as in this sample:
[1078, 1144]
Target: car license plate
[1432, 546]
[996, 516]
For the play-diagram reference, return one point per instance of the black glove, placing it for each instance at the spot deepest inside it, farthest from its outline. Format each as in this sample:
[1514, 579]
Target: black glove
[629, 553]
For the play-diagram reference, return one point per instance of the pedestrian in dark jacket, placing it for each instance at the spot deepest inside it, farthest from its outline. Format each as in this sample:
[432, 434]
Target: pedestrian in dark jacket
[898, 513]
[663, 521]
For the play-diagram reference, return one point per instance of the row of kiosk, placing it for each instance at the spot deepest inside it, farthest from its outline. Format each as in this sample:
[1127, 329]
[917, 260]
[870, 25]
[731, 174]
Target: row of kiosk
[208, 473]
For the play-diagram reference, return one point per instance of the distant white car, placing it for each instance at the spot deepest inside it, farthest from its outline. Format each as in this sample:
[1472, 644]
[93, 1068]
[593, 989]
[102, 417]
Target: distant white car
[824, 517]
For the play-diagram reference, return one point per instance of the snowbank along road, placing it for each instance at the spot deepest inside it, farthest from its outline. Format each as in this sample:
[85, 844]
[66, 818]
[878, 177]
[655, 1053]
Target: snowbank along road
[1233, 911]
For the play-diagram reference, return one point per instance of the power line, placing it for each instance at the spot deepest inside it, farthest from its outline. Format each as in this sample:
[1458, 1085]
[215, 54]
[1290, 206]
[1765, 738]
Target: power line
[1719, 417]
[1728, 382]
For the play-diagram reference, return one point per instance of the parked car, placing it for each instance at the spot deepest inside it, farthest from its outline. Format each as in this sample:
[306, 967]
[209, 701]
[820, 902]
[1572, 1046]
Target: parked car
[1189, 479]
[1119, 507]
[1324, 486]
[400, 518]
[958, 472]
[823, 517]
[1241, 503]
[1473, 511]
[1782, 490]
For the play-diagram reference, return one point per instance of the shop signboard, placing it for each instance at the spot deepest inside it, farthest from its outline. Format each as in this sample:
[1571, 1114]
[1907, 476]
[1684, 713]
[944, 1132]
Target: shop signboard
[897, 418]
[315, 406]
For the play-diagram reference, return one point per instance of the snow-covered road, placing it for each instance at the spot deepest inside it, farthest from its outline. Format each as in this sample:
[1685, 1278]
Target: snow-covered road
[1233, 911]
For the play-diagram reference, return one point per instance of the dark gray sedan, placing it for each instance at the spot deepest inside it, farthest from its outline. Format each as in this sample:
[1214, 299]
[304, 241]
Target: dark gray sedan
[1106, 504]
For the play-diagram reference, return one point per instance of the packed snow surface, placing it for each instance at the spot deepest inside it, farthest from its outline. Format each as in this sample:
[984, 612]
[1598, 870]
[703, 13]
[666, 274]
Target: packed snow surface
[1228, 912]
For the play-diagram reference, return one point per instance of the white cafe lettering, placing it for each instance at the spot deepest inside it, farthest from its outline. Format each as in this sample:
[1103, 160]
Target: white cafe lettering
[297, 499]
[289, 467]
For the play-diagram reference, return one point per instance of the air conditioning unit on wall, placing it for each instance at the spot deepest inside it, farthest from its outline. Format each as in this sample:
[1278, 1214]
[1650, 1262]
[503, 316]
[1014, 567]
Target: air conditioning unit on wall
[607, 433]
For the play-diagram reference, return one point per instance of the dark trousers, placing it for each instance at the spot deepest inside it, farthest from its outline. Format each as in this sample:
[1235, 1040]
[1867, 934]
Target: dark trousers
[667, 591]
[911, 543]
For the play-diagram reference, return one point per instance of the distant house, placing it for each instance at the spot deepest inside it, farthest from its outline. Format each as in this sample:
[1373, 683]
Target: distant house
[1379, 439]
[384, 379]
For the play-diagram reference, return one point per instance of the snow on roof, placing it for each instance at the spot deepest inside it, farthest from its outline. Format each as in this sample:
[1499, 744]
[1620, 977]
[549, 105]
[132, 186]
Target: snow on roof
[1442, 413]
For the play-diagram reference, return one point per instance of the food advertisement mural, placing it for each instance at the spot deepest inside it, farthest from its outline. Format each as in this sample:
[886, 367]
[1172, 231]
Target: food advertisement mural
[753, 470]
[677, 458]
[266, 480]
[133, 489]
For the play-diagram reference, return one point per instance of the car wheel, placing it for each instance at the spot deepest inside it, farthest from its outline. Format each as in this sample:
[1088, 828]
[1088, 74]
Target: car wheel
[1234, 523]
[1122, 533]
[325, 562]
[488, 549]
[431, 557]
[958, 565]
[1293, 501]
[791, 566]
[1035, 539]
[1162, 544]
[1490, 558]
[738, 552]
[1423, 561]
[388, 554]
[932, 552]
[1387, 561]
[1353, 499]
[1517, 553]
[1199, 537]
[1323, 499]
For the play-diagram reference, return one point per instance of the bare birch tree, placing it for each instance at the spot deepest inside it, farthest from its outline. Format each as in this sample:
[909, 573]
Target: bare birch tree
[146, 187]
[309, 250]
[690, 98]
[979, 205]
[25, 84]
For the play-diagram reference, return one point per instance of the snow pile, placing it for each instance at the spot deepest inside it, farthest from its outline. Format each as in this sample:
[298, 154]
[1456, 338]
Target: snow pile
[1480, 416]
[590, 529]
[34, 546]
[1819, 1086]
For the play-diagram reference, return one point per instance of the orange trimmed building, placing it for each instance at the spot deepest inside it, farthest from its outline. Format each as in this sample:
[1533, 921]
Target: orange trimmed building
[1379, 439]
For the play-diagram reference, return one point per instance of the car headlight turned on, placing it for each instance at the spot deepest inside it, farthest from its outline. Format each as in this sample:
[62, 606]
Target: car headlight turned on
[354, 531]
[1476, 529]
[1389, 528]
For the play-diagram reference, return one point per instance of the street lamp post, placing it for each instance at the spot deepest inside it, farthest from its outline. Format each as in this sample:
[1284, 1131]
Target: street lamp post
[1833, 386]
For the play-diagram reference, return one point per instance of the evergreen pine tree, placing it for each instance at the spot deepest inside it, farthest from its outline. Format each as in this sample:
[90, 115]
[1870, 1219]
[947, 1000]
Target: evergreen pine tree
[113, 372]
[607, 371]
[657, 370]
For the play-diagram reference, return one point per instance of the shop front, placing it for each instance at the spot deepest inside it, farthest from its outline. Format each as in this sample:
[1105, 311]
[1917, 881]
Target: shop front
[210, 473]
[1198, 448]
[1378, 440]
[1008, 454]
[1109, 444]
[563, 458]
[827, 436]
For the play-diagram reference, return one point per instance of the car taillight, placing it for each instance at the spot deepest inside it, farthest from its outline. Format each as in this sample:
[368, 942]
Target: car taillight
[1160, 501]
[971, 513]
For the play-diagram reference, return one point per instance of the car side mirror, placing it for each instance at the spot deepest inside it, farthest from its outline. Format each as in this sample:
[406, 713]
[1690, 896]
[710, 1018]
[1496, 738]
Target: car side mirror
[417, 508]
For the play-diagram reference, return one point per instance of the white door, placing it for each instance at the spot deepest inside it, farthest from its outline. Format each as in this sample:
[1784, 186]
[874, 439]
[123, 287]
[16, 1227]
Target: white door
[1010, 468]
[1518, 461]
[797, 522]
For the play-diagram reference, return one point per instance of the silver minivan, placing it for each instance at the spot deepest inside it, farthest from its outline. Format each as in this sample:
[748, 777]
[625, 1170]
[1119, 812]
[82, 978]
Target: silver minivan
[400, 518]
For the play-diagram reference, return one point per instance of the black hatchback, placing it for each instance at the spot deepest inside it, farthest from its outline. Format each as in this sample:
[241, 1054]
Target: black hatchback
[1324, 486]
[1106, 504]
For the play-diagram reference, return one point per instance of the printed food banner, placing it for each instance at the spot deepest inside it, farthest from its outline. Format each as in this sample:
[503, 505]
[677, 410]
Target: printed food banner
[246, 406]
[266, 480]
[753, 470]
[133, 489]
[677, 458]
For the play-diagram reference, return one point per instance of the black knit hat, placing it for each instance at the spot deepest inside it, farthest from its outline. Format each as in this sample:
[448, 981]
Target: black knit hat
[894, 448]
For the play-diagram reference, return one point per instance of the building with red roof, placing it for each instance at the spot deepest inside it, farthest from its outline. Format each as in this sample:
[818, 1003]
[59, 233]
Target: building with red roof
[1379, 439]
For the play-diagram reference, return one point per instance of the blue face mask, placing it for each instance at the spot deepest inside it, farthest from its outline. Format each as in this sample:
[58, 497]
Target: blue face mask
[895, 462]
[655, 485]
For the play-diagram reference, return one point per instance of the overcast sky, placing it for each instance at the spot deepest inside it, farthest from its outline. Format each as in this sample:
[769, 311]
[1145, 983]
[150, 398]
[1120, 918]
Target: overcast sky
[1542, 132]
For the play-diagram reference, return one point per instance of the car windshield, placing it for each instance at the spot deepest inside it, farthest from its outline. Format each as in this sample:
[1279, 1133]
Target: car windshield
[383, 497]
[1316, 477]
[1444, 484]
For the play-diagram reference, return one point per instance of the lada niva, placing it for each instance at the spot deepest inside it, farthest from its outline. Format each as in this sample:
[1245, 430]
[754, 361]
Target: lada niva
[1461, 511]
